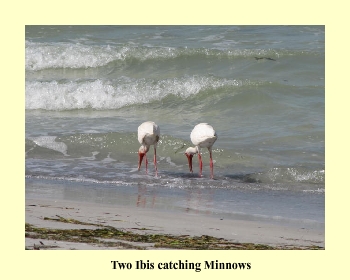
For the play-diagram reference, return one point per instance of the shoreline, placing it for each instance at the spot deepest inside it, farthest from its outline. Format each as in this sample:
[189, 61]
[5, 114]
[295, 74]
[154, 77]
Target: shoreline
[54, 224]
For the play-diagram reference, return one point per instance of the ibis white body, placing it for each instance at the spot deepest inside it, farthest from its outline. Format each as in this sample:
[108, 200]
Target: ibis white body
[148, 133]
[203, 135]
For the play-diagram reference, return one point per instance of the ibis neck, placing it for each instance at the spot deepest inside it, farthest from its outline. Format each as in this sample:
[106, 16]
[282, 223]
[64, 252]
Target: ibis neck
[143, 149]
[192, 150]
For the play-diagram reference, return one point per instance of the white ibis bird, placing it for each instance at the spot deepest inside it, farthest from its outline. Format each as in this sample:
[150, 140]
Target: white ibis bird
[202, 136]
[148, 134]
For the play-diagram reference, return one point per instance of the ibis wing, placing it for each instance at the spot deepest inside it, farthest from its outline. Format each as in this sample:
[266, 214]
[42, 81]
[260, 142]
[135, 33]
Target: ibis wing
[203, 135]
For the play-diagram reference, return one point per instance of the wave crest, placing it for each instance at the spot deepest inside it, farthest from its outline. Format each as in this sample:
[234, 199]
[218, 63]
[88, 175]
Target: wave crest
[113, 94]
[40, 56]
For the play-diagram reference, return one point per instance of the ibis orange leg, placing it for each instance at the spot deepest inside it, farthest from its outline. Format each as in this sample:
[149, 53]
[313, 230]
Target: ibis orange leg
[155, 161]
[200, 164]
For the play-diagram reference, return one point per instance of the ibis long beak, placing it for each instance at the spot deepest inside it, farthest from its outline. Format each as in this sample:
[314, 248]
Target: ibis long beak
[189, 157]
[141, 155]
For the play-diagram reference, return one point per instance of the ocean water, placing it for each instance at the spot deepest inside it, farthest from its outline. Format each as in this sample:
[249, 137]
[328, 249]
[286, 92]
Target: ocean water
[262, 88]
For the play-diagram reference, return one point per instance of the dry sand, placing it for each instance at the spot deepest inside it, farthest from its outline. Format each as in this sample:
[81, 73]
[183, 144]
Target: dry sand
[136, 219]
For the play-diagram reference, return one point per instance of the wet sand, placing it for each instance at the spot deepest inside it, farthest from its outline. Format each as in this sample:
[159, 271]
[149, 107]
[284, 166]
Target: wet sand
[50, 214]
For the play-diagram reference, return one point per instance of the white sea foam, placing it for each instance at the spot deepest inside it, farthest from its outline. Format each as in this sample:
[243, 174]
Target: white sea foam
[102, 94]
[66, 55]
[50, 143]
[295, 175]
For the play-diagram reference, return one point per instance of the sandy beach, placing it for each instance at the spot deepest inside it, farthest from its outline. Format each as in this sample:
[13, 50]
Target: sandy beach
[68, 215]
